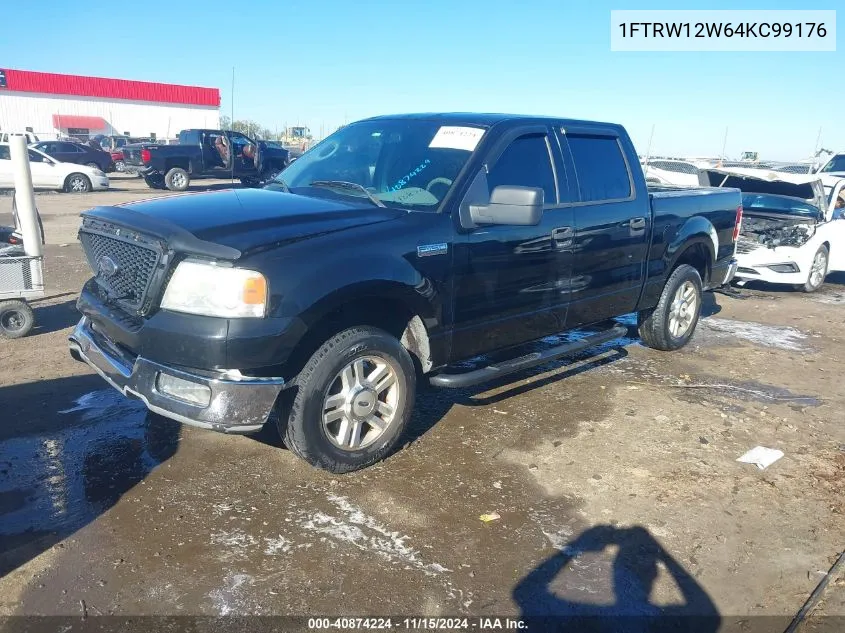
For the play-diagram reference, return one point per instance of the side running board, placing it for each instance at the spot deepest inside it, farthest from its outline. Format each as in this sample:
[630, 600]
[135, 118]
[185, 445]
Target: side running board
[476, 376]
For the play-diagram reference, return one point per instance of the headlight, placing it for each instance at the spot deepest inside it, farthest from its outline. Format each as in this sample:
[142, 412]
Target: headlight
[200, 288]
[99, 172]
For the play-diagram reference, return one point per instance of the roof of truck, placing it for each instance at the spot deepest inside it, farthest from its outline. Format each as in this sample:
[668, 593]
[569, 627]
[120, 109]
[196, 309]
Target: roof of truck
[486, 119]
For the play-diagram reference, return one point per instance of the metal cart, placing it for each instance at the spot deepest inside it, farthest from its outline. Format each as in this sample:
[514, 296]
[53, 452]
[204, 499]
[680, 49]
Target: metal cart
[21, 278]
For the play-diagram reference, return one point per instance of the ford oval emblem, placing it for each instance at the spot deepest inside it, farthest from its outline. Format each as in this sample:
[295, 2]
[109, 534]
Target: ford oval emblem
[106, 266]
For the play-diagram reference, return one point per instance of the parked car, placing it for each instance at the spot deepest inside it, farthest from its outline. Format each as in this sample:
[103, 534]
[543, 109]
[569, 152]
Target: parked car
[78, 153]
[112, 143]
[831, 171]
[119, 164]
[48, 173]
[30, 137]
[790, 233]
[206, 153]
[671, 172]
[395, 249]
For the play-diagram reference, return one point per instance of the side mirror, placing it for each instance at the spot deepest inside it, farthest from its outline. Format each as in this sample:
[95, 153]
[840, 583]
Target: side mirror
[510, 204]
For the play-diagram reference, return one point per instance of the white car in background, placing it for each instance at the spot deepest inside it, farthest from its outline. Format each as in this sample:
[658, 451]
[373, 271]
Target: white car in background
[48, 173]
[791, 232]
[831, 171]
[679, 173]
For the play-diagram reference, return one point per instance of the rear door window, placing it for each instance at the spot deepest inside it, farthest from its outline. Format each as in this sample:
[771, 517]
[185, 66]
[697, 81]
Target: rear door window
[600, 166]
[527, 163]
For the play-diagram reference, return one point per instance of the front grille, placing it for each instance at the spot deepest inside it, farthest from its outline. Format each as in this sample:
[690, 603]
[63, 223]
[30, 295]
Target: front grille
[124, 262]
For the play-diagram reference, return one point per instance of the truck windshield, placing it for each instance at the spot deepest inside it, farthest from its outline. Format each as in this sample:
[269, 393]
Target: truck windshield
[406, 163]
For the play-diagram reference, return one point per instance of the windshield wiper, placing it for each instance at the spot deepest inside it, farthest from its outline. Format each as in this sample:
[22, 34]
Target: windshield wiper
[342, 184]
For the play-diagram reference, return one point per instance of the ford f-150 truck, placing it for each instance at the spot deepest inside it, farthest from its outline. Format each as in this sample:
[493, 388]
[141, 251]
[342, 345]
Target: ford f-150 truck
[387, 254]
[205, 153]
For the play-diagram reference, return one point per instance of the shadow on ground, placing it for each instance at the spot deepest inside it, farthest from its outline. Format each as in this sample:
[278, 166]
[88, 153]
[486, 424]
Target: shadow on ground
[60, 469]
[621, 593]
[55, 316]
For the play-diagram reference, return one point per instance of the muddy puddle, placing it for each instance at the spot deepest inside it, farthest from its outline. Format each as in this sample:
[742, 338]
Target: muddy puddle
[51, 484]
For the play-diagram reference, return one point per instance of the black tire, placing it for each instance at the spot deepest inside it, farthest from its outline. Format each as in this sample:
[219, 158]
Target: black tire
[16, 319]
[77, 183]
[303, 429]
[815, 281]
[154, 182]
[177, 179]
[654, 324]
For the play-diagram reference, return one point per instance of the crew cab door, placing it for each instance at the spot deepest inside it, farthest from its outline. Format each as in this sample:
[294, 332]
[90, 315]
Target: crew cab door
[216, 154]
[612, 226]
[243, 154]
[512, 282]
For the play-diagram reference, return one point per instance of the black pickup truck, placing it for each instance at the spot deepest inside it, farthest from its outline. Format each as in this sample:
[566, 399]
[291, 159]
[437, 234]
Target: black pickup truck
[393, 250]
[205, 153]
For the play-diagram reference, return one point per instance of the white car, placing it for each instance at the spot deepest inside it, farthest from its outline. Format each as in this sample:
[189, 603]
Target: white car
[791, 233]
[831, 171]
[30, 137]
[679, 173]
[48, 173]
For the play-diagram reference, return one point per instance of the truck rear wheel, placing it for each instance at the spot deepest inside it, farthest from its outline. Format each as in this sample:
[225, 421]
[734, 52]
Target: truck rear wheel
[177, 179]
[154, 182]
[670, 325]
[352, 401]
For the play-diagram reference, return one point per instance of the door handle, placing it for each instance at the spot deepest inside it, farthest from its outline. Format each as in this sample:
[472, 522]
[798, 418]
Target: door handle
[637, 224]
[562, 237]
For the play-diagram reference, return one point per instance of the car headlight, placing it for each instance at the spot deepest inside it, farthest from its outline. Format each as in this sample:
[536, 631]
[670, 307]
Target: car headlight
[99, 172]
[204, 288]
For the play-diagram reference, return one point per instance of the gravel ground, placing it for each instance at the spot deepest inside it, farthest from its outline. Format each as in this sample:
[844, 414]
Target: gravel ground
[613, 477]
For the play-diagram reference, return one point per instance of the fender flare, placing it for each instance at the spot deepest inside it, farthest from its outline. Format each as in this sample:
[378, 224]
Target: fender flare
[696, 230]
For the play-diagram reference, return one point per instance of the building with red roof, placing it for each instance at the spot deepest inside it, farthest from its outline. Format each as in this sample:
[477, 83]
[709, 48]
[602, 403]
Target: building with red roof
[52, 105]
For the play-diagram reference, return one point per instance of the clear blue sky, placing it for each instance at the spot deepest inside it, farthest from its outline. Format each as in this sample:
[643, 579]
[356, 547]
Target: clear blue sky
[322, 62]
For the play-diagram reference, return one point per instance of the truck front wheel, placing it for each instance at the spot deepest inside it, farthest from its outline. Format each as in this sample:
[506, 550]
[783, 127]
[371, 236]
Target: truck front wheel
[177, 179]
[670, 325]
[352, 401]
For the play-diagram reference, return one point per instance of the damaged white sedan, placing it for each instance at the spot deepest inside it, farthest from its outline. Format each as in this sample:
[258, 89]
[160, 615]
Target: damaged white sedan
[789, 233]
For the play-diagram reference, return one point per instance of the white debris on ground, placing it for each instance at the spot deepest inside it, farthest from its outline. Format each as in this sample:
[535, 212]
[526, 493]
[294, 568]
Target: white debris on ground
[364, 532]
[778, 336]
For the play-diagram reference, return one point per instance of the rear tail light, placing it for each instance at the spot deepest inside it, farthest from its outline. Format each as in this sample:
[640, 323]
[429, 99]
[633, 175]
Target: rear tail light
[146, 157]
[738, 222]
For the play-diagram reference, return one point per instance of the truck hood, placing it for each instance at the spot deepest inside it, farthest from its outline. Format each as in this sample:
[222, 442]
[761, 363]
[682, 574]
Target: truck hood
[232, 223]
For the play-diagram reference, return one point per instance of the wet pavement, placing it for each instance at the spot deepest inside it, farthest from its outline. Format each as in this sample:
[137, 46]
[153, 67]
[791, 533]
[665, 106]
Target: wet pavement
[613, 475]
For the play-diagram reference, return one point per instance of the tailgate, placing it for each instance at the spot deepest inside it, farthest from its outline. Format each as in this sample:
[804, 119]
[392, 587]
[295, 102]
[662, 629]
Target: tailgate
[132, 156]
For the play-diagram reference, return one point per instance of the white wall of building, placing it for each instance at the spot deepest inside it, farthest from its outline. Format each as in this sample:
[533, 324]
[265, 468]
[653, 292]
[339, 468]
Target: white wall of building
[20, 110]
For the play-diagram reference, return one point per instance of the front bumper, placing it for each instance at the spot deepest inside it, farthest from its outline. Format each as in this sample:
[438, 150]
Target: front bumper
[236, 405]
[783, 265]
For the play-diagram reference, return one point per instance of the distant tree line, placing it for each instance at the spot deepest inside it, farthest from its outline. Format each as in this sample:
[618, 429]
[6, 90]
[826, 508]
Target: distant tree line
[250, 128]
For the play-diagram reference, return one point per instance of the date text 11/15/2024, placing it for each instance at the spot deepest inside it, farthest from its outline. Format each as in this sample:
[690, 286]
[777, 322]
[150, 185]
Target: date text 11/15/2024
[417, 624]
